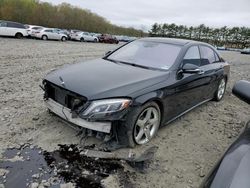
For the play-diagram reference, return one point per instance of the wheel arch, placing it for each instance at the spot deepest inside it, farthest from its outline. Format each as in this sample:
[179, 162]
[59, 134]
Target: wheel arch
[19, 33]
[151, 97]
[45, 36]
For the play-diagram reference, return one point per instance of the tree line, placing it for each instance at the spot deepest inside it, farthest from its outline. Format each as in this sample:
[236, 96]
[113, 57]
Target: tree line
[64, 16]
[235, 37]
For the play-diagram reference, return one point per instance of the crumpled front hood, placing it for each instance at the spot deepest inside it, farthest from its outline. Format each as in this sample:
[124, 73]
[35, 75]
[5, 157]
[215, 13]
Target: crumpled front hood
[101, 78]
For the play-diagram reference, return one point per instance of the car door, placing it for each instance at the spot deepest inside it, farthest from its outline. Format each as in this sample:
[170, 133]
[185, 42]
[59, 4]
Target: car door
[87, 37]
[90, 38]
[54, 35]
[187, 89]
[3, 30]
[212, 67]
[49, 33]
[11, 29]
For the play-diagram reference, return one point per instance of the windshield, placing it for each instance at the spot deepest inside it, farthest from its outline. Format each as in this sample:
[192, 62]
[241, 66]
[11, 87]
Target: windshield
[147, 54]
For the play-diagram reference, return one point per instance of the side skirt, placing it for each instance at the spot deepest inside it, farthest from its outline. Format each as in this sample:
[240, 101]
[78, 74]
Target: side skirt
[188, 110]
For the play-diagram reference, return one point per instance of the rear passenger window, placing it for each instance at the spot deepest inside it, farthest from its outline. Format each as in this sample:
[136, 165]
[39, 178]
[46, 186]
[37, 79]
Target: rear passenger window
[15, 25]
[207, 55]
[192, 56]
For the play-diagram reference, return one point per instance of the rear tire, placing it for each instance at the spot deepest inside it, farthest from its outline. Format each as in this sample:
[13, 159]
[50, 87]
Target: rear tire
[44, 37]
[221, 89]
[19, 35]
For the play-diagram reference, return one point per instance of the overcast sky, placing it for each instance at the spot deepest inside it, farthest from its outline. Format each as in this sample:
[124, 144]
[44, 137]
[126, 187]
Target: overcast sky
[143, 13]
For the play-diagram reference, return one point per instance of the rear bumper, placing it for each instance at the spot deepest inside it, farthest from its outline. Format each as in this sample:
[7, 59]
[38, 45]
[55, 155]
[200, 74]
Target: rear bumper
[65, 113]
[36, 36]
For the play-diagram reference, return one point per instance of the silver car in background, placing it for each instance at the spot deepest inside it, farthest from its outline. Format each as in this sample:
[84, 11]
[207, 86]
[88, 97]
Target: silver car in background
[50, 34]
[12, 29]
[84, 36]
[31, 29]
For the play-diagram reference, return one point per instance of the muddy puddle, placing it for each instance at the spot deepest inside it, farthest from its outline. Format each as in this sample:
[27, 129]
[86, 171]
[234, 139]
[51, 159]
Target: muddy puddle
[30, 166]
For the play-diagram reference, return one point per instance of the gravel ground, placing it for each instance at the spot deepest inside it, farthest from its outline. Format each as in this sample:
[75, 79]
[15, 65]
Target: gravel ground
[188, 147]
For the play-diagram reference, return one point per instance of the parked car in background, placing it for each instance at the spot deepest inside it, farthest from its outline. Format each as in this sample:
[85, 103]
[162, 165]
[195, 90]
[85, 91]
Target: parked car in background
[31, 29]
[233, 169]
[245, 51]
[84, 36]
[73, 31]
[66, 32]
[221, 48]
[50, 34]
[106, 38]
[12, 29]
[140, 87]
[123, 38]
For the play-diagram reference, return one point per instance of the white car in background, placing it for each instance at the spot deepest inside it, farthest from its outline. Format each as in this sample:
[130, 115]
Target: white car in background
[12, 29]
[31, 29]
[50, 34]
[84, 36]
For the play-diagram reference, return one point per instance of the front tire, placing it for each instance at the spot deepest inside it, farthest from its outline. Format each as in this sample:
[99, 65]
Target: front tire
[141, 125]
[219, 94]
[63, 39]
[82, 40]
[19, 35]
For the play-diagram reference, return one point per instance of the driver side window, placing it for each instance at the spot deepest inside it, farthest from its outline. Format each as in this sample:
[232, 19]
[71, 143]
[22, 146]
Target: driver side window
[192, 56]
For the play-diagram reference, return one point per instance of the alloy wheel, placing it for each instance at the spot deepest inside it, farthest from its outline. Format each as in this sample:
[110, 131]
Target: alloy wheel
[146, 125]
[44, 37]
[221, 89]
[19, 35]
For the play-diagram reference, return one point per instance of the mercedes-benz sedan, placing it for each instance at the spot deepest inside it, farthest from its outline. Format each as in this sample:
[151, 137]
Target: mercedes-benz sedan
[137, 88]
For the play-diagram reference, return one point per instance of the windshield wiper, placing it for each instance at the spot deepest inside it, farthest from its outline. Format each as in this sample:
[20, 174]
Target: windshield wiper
[132, 64]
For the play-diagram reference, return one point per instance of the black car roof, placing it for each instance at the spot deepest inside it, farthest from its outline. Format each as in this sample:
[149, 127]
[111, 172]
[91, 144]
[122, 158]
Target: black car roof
[175, 41]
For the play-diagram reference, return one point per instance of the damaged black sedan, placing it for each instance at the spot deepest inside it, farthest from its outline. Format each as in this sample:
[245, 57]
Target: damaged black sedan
[137, 88]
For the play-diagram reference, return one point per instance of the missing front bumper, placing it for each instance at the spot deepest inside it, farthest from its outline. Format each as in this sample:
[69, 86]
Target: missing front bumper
[65, 113]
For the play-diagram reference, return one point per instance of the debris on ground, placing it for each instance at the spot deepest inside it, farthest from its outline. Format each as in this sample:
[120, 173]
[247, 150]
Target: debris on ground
[70, 166]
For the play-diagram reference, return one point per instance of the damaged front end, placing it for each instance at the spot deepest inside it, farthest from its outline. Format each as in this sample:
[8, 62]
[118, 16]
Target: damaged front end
[100, 115]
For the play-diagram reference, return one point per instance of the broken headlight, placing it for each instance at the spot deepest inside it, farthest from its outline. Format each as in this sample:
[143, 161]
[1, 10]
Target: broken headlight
[101, 108]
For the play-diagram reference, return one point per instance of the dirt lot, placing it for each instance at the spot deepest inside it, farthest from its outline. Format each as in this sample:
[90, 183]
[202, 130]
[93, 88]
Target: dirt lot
[188, 148]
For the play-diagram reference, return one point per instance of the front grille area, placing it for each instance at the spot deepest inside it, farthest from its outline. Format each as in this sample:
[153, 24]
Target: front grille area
[64, 97]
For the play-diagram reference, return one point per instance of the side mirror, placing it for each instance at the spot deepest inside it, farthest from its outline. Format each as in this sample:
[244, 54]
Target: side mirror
[242, 90]
[191, 69]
